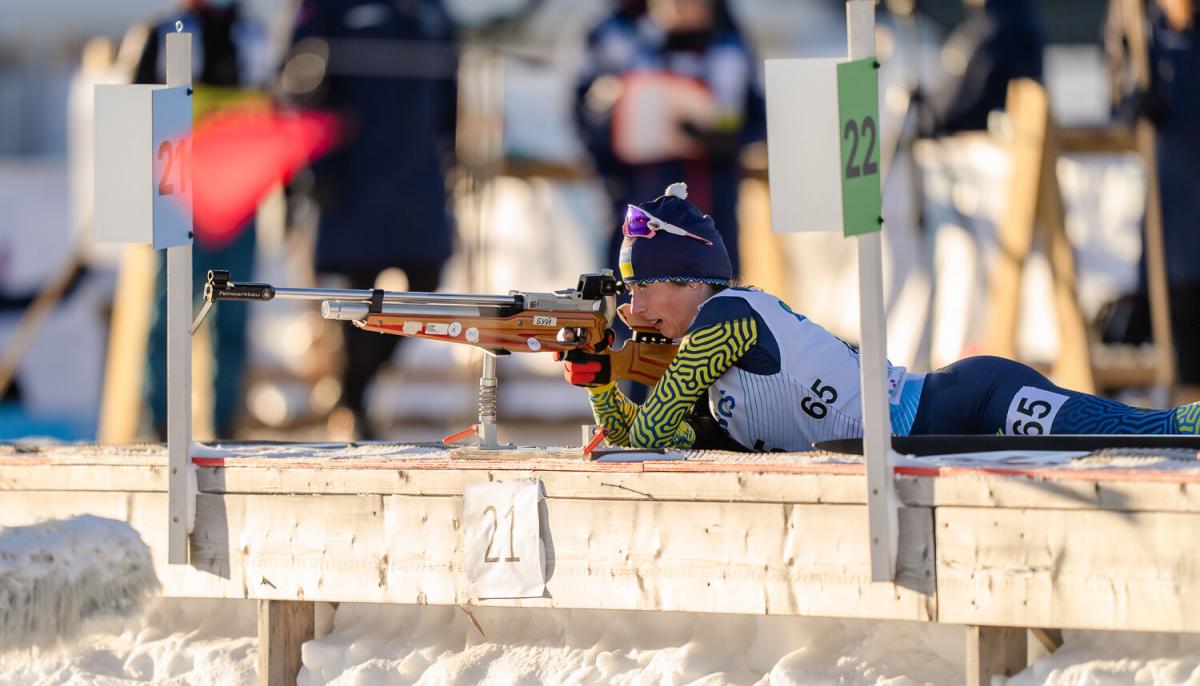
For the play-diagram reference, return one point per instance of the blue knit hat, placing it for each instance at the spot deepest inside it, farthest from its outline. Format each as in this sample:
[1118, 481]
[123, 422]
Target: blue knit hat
[670, 257]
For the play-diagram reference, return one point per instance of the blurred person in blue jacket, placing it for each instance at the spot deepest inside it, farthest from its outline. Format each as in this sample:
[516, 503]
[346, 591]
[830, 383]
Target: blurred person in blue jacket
[1172, 104]
[230, 55]
[1000, 41]
[708, 105]
[1174, 107]
[389, 70]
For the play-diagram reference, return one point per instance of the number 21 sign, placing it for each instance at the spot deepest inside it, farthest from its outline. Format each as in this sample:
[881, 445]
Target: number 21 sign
[143, 164]
[171, 144]
[502, 545]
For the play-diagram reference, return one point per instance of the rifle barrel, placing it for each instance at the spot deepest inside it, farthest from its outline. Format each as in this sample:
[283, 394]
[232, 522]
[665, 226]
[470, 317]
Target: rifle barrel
[348, 295]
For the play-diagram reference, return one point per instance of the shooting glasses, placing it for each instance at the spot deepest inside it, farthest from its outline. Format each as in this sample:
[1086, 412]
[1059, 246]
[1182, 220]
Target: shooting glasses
[641, 224]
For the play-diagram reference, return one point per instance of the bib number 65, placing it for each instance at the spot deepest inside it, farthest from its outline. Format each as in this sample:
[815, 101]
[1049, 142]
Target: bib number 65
[1032, 411]
[818, 407]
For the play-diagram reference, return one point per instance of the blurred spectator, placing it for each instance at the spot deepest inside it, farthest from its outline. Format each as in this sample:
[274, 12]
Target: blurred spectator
[388, 68]
[1172, 103]
[1175, 111]
[229, 55]
[1001, 40]
[669, 93]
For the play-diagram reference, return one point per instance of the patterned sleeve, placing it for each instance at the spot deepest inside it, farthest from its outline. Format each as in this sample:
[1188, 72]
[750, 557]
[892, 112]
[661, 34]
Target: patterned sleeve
[704, 355]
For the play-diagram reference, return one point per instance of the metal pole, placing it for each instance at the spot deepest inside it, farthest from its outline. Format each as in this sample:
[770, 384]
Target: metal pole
[179, 347]
[487, 402]
[877, 431]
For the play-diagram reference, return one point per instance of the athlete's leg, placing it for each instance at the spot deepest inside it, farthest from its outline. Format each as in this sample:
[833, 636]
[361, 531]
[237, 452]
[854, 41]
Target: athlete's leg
[995, 395]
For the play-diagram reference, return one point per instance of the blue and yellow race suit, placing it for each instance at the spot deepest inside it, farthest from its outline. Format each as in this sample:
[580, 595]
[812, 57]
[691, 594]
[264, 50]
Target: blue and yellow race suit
[776, 380]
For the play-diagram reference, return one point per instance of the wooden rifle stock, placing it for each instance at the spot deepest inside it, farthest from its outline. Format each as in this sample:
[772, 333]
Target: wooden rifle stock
[644, 363]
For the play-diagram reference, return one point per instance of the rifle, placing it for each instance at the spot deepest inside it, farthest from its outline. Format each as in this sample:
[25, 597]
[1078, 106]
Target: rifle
[560, 321]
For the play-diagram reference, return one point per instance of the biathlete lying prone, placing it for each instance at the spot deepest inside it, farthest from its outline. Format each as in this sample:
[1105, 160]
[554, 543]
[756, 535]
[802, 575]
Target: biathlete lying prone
[776, 380]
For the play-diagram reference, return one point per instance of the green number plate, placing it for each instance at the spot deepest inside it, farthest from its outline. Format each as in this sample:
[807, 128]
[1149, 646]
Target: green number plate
[858, 118]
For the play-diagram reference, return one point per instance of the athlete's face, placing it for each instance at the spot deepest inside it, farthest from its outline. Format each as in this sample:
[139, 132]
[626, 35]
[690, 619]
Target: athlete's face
[666, 306]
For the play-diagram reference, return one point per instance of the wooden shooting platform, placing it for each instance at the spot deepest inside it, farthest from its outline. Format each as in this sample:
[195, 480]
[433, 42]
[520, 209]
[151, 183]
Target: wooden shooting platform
[1103, 542]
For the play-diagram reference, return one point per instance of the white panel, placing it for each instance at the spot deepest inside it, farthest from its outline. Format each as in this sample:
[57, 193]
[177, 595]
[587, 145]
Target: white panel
[803, 146]
[123, 164]
[171, 185]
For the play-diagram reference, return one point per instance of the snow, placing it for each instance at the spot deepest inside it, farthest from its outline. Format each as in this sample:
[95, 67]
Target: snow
[374, 644]
[198, 642]
[58, 575]
[212, 642]
[202, 642]
[1117, 658]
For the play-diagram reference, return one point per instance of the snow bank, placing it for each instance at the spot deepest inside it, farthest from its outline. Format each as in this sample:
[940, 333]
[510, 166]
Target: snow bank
[379, 644]
[57, 576]
[1117, 658]
[204, 642]
[183, 642]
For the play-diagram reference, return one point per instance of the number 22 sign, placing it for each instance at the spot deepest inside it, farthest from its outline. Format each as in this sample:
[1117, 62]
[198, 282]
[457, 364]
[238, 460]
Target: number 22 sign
[858, 112]
[503, 553]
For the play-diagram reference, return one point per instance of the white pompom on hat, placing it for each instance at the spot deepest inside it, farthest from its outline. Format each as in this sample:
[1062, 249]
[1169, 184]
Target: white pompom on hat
[677, 189]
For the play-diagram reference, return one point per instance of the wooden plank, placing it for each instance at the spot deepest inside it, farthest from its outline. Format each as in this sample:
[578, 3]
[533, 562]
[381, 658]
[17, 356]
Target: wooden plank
[994, 651]
[706, 557]
[124, 369]
[1073, 363]
[1029, 114]
[762, 251]
[743, 486]
[1138, 490]
[283, 627]
[991, 491]
[1050, 639]
[1113, 139]
[48, 477]
[1081, 569]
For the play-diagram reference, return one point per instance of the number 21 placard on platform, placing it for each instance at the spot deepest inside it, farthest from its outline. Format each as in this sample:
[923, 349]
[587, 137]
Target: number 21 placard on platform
[823, 145]
[503, 552]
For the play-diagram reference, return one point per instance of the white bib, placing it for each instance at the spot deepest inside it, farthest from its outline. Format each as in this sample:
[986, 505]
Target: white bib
[815, 395]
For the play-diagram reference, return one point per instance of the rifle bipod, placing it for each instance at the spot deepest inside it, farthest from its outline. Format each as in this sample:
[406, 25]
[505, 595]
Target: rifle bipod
[489, 392]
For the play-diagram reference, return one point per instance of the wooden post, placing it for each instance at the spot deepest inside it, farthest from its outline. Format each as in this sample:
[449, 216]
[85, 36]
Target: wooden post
[179, 346]
[283, 627]
[128, 339]
[1073, 365]
[1026, 154]
[1035, 202]
[994, 651]
[877, 429]
[1050, 639]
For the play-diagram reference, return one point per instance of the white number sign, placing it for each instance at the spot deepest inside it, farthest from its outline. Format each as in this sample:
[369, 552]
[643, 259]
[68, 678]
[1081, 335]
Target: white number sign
[1032, 412]
[504, 557]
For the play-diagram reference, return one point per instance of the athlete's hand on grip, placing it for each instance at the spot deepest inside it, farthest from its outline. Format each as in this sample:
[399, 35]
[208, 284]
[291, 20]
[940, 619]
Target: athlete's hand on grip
[585, 369]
